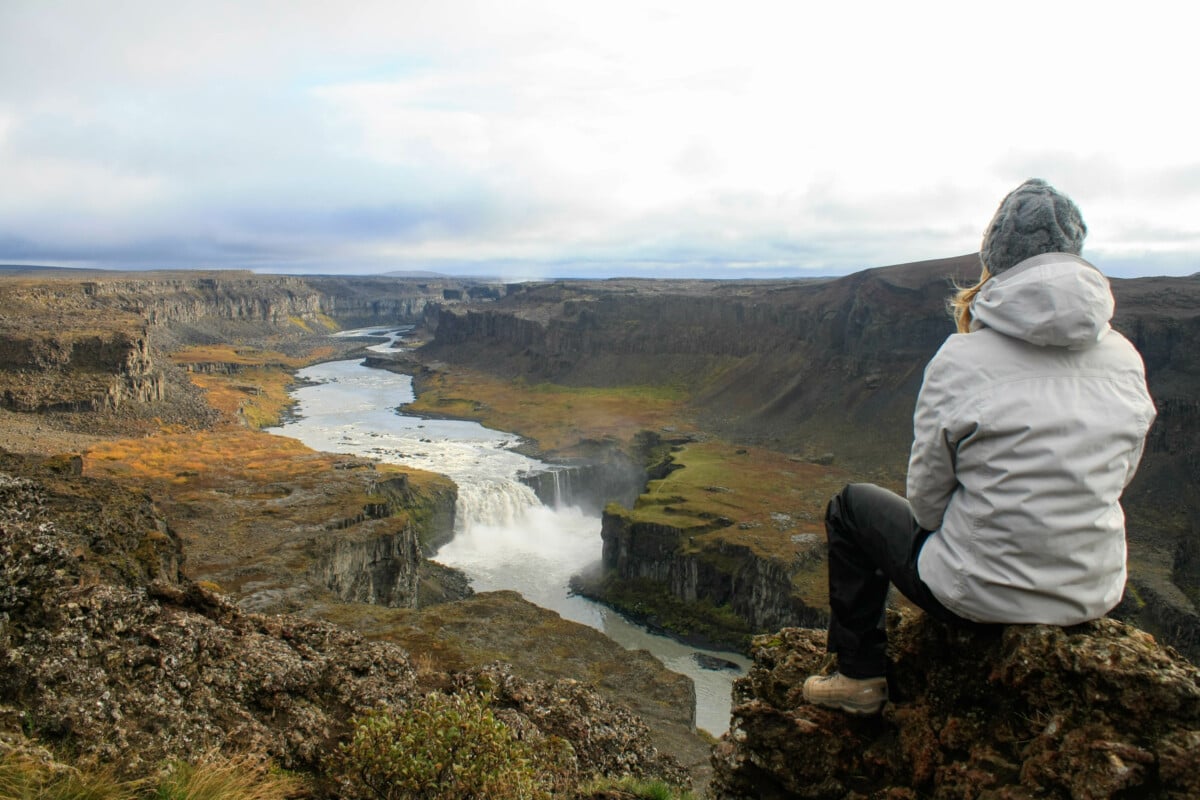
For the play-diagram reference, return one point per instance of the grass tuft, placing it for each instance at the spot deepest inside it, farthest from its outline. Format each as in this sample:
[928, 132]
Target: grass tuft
[23, 777]
[634, 787]
[218, 777]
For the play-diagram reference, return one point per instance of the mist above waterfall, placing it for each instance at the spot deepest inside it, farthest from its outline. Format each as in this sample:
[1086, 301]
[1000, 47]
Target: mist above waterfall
[538, 552]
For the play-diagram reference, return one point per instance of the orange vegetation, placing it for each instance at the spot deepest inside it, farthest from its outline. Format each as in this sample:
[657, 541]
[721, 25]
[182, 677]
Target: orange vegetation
[249, 384]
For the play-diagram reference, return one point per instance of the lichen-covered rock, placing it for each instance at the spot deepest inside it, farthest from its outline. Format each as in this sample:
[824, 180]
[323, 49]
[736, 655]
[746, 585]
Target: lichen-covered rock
[1094, 711]
[607, 739]
[106, 652]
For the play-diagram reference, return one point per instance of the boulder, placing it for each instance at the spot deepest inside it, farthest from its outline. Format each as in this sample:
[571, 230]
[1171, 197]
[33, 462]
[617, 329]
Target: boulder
[1097, 710]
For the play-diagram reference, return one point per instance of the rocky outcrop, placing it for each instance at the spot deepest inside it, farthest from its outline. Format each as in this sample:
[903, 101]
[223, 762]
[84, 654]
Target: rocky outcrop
[387, 567]
[377, 569]
[589, 483]
[77, 370]
[108, 654]
[316, 529]
[431, 510]
[1094, 711]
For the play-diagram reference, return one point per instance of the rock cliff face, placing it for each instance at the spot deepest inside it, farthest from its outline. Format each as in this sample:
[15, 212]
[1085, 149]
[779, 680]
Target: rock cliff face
[226, 295]
[366, 564]
[590, 484]
[1096, 711]
[379, 569]
[77, 370]
[757, 590]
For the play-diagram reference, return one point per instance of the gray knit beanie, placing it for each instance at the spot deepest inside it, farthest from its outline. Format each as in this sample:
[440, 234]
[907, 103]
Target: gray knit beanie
[1035, 218]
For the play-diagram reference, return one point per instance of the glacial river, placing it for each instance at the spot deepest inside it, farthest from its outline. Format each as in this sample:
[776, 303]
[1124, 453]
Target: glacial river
[504, 538]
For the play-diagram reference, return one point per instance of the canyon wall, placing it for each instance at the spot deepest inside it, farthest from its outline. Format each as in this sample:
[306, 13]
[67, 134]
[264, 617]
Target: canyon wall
[793, 364]
[363, 301]
[607, 475]
[385, 563]
[86, 343]
[379, 569]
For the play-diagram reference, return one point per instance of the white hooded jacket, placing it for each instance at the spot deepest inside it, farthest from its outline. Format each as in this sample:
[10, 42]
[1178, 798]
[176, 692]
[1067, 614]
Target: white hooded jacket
[1026, 432]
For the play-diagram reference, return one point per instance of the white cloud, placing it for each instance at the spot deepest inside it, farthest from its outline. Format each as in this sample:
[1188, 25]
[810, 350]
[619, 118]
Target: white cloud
[833, 135]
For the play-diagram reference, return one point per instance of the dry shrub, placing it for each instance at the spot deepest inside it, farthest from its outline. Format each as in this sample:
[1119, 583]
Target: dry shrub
[448, 747]
[424, 664]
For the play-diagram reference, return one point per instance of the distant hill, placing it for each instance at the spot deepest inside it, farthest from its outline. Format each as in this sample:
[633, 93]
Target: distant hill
[14, 269]
[413, 273]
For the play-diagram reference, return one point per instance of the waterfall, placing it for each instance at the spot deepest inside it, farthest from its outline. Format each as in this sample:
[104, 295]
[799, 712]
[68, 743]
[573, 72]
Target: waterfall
[498, 503]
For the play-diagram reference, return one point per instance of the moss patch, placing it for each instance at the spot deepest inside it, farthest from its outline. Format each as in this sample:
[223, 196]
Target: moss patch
[749, 496]
[558, 418]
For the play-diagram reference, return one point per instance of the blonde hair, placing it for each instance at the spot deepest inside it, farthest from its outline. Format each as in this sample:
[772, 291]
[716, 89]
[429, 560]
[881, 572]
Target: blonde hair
[960, 301]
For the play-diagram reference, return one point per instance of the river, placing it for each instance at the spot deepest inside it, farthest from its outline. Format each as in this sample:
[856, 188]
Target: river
[505, 537]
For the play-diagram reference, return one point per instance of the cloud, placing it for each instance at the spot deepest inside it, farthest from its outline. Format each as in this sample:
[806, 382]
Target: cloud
[627, 135]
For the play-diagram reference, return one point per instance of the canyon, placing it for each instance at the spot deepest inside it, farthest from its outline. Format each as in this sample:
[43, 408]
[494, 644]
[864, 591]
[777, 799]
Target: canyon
[737, 408]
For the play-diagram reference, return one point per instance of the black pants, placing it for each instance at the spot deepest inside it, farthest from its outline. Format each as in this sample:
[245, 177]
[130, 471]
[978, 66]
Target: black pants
[873, 541]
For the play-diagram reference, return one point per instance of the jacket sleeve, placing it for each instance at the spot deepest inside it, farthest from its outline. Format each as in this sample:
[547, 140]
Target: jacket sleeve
[1149, 414]
[931, 464]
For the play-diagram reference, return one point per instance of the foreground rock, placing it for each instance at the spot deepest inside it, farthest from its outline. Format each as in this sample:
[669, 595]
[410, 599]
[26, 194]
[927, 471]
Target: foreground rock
[1095, 711]
[107, 653]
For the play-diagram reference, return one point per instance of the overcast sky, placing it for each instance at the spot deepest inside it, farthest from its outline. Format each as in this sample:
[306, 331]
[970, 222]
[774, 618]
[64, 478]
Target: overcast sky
[561, 138]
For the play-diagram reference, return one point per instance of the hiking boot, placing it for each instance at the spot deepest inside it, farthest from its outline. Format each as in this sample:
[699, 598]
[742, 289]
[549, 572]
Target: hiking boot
[853, 695]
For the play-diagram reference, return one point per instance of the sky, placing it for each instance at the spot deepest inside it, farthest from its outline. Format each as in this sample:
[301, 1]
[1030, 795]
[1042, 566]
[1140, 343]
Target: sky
[552, 138]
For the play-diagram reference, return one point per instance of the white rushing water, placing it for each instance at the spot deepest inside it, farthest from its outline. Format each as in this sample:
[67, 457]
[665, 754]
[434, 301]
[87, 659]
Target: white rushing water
[505, 538]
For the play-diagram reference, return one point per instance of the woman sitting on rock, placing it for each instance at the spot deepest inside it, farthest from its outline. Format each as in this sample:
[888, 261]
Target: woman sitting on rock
[1028, 426]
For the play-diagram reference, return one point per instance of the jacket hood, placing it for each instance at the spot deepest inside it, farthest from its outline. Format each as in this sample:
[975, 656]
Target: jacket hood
[1052, 299]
